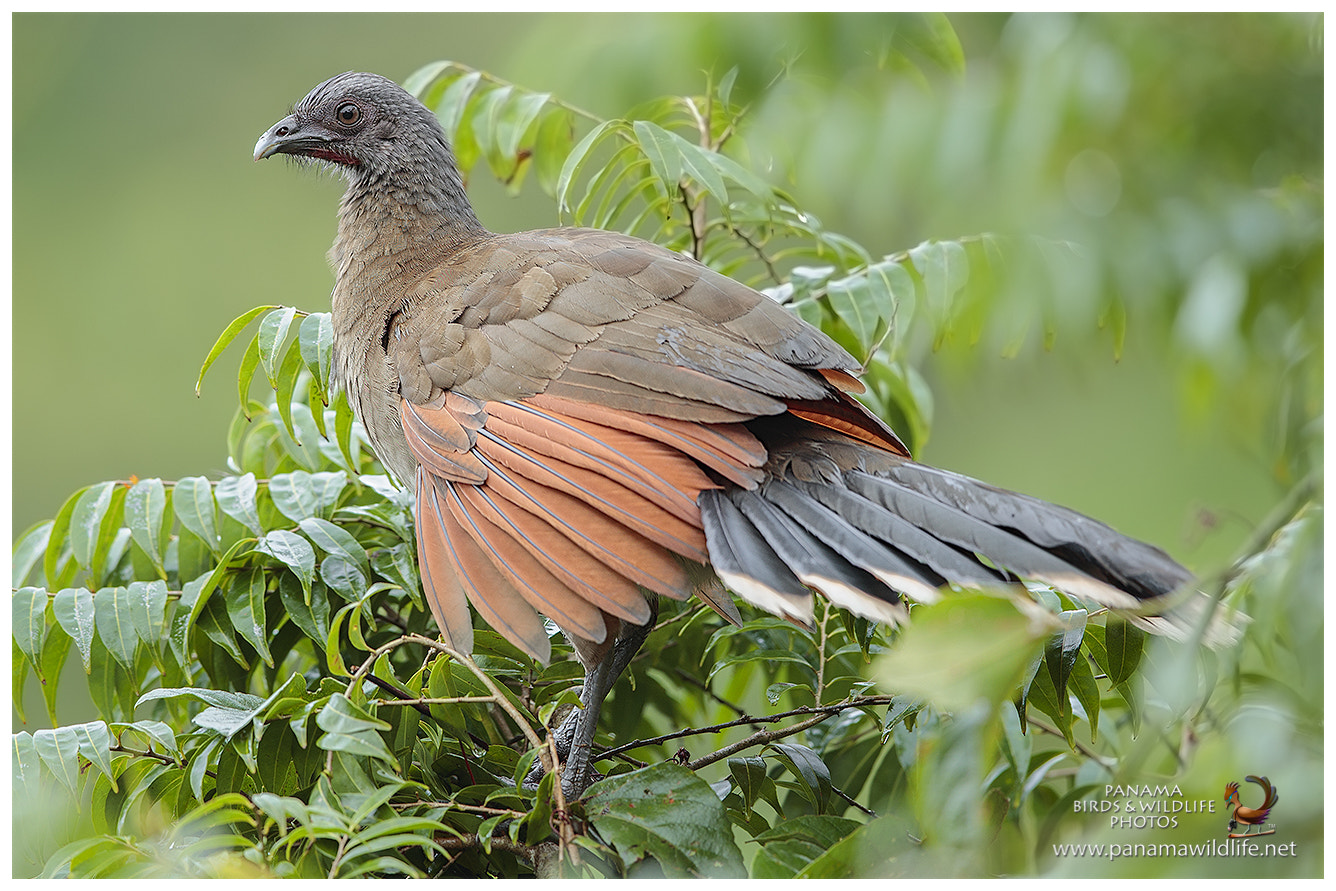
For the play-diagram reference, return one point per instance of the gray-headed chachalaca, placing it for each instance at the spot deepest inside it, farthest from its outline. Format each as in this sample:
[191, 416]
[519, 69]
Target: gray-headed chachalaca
[591, 421]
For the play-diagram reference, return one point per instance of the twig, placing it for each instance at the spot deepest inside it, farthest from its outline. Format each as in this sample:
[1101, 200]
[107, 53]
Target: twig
[1080, 746]
[823, 711]
[758, 739]
[498, 842]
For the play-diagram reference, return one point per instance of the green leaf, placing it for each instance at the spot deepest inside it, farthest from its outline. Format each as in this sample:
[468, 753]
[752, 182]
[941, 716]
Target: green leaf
[666, 812]
[335, 541]
[59, 539]
[245, 608]
[294, 552]
[343, 430]
[299, 495]
[345, 578]
[352, 730]
[822, 831]
[95, 745]
[661, 149]
[1124, 643]
[145, 506]
[944, 267]
[808, 767]
[29, 623]
[570, 169]
[454, 100]
[25, 769]
[73, 609]
[213, 621]
[115, 624]
[284, 386]
[93, 510]
[250, 362]
[749, 776]
[931, 34]
[236, 497]
[316, 337]
[537, 826]
[515, 119]
[1043, 696]
[1082, 684]
[1062, 650]
[229, 334]
[54, 653]
[272, 335]
[27, 551]
[227, 712]
[551, 145]
[59, 751]
[192, 501]
[418, 82]
[153, 732]
[313, 617]
[700, 164]
[399, 565]
[945, 657]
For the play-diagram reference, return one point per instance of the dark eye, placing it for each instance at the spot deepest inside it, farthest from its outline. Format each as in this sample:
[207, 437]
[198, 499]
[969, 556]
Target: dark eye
[348, 114]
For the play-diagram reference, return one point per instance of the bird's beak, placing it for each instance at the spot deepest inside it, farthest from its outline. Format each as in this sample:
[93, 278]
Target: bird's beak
[285, 137]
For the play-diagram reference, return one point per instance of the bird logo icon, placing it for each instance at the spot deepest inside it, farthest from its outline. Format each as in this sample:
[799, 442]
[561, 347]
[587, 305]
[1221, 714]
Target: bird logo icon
[1250, 817]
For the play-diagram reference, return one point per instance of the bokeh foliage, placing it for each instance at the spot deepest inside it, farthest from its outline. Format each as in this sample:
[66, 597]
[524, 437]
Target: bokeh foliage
[249, 641]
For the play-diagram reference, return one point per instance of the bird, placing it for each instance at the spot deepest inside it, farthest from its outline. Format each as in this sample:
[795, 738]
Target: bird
[1250, 816]
[590, 421]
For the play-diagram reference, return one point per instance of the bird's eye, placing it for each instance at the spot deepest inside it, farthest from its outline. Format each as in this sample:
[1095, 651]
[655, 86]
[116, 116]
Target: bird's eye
[348, 114]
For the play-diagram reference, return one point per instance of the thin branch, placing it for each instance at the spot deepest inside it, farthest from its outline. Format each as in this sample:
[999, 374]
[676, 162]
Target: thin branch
[420, 703]
[823, 711]
[497, 842]
[165, 759]
[758, 739]
[1080, 746]
[404, 697]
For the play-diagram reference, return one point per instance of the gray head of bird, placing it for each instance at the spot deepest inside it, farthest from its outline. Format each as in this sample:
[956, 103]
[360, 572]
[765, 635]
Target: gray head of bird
[363, 125]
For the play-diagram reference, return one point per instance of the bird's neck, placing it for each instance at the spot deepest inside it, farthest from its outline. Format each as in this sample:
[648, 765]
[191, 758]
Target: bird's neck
[394, 228]
[422, 210]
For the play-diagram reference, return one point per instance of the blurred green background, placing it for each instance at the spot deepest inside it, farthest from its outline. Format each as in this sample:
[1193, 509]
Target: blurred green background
[1182, 152]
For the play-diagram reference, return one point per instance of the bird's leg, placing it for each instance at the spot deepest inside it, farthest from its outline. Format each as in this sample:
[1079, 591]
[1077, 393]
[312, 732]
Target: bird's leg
[574, 738]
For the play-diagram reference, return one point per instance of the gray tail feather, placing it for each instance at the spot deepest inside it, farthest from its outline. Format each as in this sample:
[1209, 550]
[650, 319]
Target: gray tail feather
[864, 539]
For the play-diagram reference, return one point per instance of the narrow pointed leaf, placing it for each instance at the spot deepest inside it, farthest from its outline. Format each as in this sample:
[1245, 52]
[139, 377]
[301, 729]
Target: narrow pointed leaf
[246, 610]
[58, 541]
[229, 334]
[272, 335]
[1123, 643]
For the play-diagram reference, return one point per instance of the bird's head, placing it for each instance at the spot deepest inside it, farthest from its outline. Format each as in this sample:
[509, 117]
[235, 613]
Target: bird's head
[362, 124]
[1231, 792]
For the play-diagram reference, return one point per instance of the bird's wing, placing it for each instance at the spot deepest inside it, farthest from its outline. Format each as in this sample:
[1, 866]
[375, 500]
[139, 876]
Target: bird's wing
[568, 395]
[601, 318]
